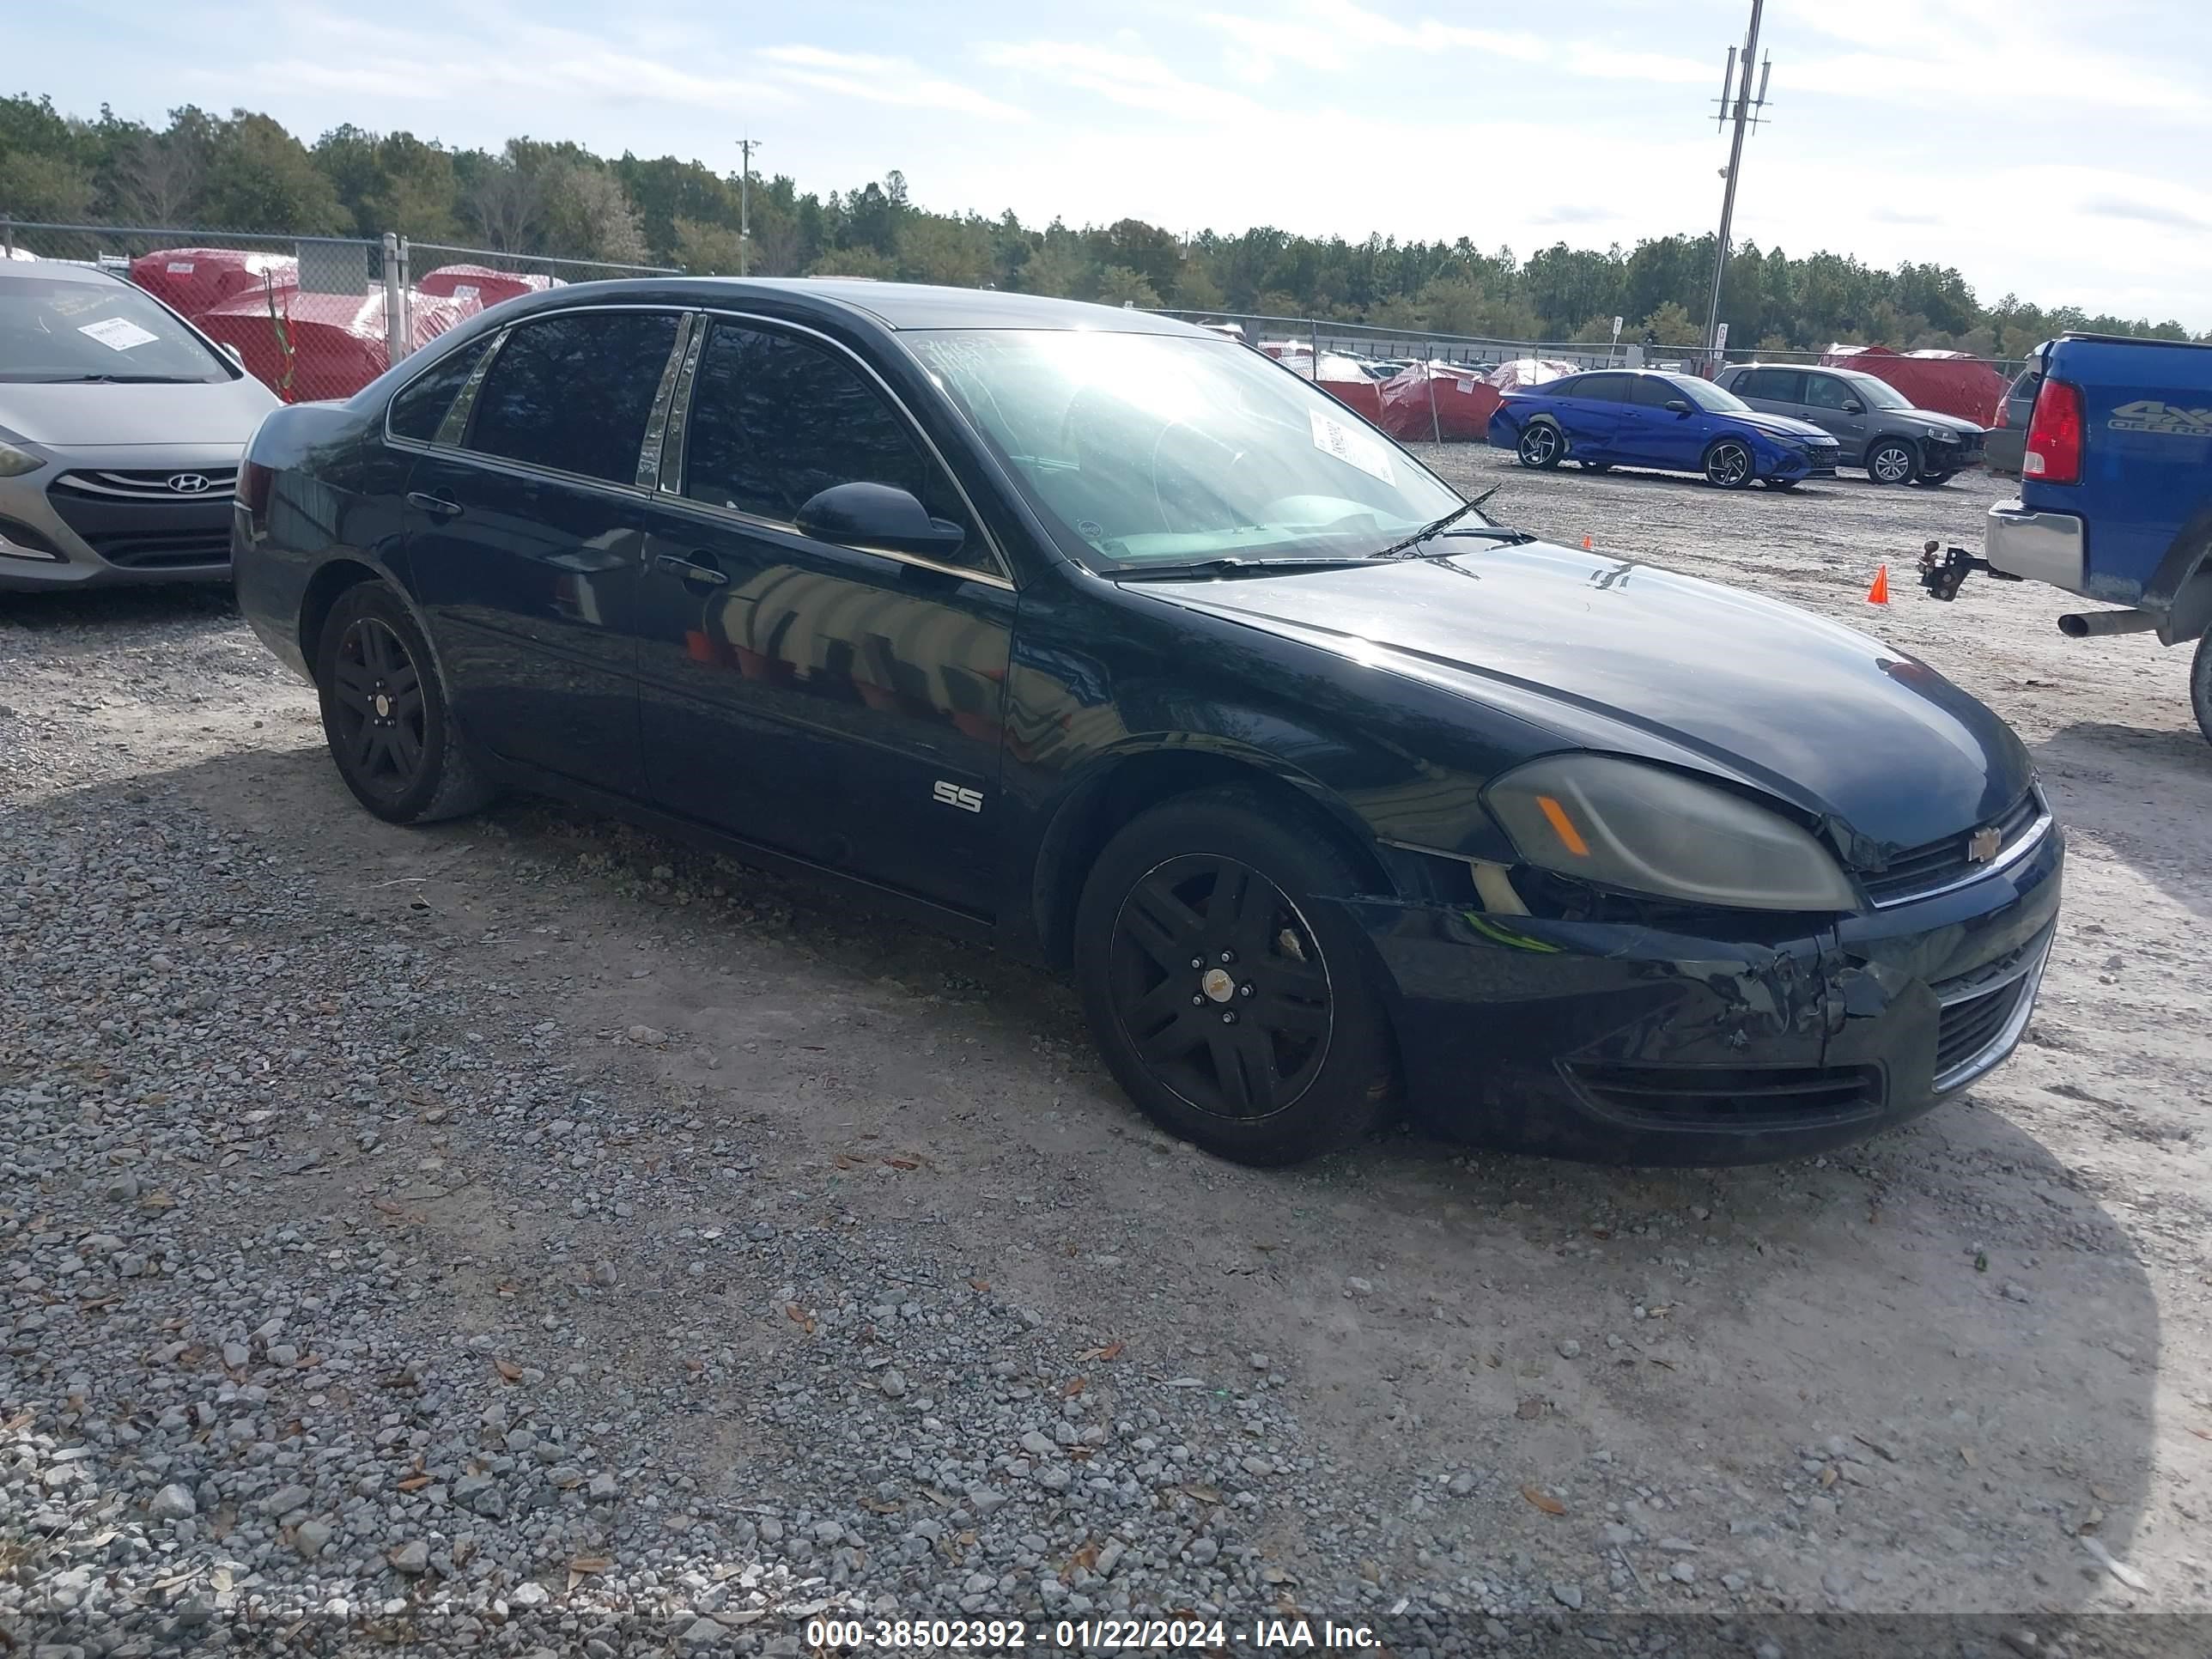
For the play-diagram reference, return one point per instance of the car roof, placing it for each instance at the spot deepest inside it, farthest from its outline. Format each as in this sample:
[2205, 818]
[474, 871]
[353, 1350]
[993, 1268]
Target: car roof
[50, 271]
[894, 305]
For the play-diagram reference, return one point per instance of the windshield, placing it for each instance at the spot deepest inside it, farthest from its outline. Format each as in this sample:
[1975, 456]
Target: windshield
[1707, 396]
[1156, 449]
[55, 329]
[1878, 394]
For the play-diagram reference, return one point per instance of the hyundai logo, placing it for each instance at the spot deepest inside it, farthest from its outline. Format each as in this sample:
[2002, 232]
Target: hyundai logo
[189, 483]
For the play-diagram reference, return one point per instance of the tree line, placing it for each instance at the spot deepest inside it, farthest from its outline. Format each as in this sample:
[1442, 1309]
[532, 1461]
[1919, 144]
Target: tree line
[246, 172]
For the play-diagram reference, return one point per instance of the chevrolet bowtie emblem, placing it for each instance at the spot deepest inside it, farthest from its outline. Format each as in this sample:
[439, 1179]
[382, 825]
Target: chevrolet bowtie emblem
[1982, 846]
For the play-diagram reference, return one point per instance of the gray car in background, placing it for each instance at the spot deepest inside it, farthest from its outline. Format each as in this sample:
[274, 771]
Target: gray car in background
[1876, 424]
[120, 429]
[2007, 439]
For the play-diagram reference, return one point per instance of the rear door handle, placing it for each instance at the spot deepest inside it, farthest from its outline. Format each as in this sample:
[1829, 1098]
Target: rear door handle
[692, 568]
[436, 506]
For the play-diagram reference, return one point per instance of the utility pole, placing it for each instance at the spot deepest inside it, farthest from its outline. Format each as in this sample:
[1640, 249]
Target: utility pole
[746, 146]
[1737, 104]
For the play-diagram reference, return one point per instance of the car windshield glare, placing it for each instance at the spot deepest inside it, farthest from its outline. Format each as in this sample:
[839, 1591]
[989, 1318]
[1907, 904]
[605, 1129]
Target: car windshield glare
[1708, 396]
[1164, 448]
[63, 329]
[1878, 394]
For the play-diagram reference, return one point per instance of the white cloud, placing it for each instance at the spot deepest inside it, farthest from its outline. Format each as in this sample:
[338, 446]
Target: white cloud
[1136, 79]
[876, 80]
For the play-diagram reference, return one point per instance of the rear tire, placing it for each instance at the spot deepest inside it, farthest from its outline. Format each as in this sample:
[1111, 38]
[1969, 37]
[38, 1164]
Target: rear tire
[1892, 461]
[384, 715]
[2200, 684]
[1542, 446]
[1230, 998]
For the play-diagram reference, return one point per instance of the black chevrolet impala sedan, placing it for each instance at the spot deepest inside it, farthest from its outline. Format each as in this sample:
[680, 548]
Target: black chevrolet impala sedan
[1111, 641]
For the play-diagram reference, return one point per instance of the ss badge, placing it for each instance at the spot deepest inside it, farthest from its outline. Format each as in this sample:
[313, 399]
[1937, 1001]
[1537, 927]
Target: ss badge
[951, 794]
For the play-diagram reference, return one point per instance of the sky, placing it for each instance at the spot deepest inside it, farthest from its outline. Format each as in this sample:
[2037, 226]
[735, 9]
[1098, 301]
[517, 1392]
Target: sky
[2046, 147]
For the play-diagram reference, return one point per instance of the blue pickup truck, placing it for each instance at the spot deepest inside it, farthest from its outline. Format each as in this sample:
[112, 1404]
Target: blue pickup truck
[2115, 495]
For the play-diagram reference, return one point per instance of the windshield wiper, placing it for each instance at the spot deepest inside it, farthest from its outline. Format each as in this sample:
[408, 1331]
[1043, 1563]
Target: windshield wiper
[113, 379]
[1398, 549]
[1228, 566]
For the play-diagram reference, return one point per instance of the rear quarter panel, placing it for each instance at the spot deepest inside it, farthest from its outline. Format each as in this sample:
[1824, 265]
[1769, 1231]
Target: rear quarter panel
[336, 492]
[2146, 459]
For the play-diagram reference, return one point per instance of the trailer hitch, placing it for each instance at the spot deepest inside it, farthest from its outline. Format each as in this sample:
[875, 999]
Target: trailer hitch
[1943, 576]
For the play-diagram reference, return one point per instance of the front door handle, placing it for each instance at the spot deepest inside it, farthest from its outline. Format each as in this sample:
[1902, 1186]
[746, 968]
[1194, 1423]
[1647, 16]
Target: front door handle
[436, 506]
[693, 569]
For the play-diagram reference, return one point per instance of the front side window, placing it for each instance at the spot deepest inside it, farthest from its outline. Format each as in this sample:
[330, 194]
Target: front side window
[420, 406]
[1653, 392]
[574, 392]
[1830, 391]
[55, 330]
[775, 420]
[1163, 449]
[1706, 395]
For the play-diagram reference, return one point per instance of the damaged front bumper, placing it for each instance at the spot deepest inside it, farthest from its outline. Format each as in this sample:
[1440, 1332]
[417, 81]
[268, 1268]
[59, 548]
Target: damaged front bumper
[1629, 1044]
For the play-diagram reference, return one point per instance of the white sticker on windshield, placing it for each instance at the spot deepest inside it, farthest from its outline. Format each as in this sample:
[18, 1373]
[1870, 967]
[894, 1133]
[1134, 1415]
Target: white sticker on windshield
[1334, 437]
[179, 267]
[117, 333]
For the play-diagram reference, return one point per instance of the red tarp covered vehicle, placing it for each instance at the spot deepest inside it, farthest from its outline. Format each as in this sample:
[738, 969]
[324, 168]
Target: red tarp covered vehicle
[1948, 382]
[1434, 401]
[483, 284]
[1341, 377]
[328, 345]
[197, 279]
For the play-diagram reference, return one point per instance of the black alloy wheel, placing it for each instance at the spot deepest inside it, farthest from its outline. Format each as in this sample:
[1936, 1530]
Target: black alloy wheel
[1229, 994]
[379, 693]
[384, 715]
[1219, 983]
[1728, 464]
[1541, 446]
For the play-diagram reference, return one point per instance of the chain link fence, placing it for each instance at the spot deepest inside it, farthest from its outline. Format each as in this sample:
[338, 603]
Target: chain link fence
[312, 318]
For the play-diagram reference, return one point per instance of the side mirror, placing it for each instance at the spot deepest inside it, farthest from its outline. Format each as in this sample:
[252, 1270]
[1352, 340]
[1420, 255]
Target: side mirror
[1680, 405]
[1853, 406]
[865, 515]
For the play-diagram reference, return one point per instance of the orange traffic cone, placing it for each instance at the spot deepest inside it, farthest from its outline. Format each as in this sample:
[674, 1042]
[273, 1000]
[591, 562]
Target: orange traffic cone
[1879, 593]
[1587, 547]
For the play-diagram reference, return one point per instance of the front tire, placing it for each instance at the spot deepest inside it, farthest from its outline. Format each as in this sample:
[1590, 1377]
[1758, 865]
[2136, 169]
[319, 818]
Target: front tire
[1728, 463]
[1543, 446]
[1892, 461]
[1230, 998]
[1934, 480]
[385, 716]
[2200, 685]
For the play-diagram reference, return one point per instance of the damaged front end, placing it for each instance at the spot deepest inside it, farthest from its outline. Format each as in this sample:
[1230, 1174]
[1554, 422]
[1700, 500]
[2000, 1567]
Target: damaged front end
[1609, 1029]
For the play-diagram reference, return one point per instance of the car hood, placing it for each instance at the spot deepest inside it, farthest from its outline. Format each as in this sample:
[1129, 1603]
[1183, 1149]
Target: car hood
[1607, 654]
[1936, 417]
[117, 416]
[1781, 426]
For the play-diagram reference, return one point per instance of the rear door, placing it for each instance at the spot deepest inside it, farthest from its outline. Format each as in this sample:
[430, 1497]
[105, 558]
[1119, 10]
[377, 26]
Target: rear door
[1591, 418]
[524, 538]
[1836, 406]
[839, 703]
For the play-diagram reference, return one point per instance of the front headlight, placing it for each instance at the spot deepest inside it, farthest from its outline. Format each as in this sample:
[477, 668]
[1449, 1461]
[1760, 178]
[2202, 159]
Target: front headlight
[1640, 829]
[14, 462]
[1942, 435]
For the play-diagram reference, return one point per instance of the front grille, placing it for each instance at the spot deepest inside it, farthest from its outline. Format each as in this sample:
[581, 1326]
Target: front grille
[1684, 1097]
[135, 520]
[1919, 871]
[1967, 1028]
[163, 550]
[169, 484]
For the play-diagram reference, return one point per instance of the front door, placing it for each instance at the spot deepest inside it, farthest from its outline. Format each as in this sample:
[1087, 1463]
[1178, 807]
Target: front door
[524, 540]
[1834, 404]
[839, 703]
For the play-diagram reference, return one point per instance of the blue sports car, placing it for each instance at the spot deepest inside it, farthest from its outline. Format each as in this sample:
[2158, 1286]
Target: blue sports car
[1674, 422]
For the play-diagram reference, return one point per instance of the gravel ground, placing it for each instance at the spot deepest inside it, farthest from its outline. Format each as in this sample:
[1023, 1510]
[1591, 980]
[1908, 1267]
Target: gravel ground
[530, 1235]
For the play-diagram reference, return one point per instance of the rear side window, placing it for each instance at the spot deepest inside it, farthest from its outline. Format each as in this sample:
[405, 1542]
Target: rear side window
[2023, 389]
[776, 419]
[1603, 388]
[1778, 385]
[574, 392]
[421, 407]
